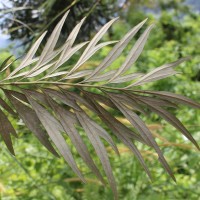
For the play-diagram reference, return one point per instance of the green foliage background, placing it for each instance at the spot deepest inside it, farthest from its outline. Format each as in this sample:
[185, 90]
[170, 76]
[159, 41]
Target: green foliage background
[34, 174]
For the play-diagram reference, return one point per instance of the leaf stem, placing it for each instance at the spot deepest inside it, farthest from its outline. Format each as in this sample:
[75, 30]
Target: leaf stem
[61, 83]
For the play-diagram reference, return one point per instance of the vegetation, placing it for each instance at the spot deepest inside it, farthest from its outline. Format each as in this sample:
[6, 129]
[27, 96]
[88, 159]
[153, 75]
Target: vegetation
[35, 17]
[35, 165]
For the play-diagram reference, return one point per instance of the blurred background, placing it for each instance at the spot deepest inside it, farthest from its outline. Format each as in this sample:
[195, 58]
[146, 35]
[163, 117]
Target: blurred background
[34, 174]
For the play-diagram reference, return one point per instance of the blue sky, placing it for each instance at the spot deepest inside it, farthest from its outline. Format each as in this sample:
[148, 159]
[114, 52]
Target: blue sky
[4, 39]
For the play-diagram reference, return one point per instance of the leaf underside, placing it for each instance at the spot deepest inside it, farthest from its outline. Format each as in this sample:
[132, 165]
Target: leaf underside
[68, 104]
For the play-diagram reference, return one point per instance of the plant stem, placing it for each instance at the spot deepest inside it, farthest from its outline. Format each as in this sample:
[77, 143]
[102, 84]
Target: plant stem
[61, 83]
